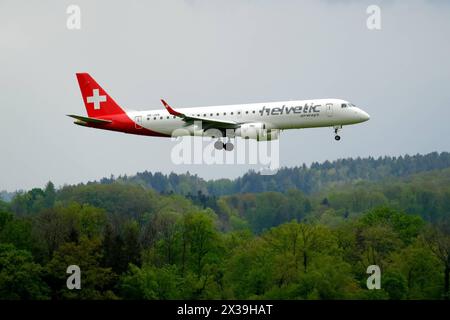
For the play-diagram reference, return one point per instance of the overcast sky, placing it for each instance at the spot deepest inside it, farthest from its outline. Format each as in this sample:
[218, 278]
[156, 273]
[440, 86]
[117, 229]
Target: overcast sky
[196, 53]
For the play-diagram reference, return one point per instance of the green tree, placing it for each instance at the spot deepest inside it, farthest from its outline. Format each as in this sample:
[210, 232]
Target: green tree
[329, 278]
[395, 285]
[49, 195]
[20, 277]
[406, 226]
[51, 229]
[132, 246]
[5, 218]
[4, 207]
[421, 270]
[163, 233]
[97, 282]
[203, 240]
[17, 231]
[438, 240]
[150, 282]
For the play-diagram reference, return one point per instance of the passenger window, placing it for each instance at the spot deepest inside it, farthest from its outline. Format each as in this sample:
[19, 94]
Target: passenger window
[232, 113]
[343, 105]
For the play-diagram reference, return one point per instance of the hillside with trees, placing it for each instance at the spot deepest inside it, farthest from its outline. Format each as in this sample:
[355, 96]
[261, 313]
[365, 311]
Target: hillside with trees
[304, 233]
[308, 179]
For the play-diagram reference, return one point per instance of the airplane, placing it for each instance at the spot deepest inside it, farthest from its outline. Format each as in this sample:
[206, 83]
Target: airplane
[260, 121]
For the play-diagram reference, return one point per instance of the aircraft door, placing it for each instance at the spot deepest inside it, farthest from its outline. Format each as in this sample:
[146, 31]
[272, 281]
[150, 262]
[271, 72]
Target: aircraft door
[138, 122]
[329, 109]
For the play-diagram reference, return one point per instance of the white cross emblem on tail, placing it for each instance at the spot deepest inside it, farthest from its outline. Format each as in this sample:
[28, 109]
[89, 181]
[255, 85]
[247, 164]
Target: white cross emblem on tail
[96, 98]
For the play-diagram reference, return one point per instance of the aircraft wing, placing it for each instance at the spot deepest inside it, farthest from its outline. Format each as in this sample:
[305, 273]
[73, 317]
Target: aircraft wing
[208, 122]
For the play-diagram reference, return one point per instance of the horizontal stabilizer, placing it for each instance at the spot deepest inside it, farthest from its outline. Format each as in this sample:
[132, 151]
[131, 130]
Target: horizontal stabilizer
[88, 119]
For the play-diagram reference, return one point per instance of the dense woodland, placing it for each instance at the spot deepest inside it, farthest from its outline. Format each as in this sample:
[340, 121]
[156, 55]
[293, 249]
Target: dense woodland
[307, 179]
[307, 232]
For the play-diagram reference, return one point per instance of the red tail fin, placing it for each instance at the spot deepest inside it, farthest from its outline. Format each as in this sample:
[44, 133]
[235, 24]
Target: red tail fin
[97, 102]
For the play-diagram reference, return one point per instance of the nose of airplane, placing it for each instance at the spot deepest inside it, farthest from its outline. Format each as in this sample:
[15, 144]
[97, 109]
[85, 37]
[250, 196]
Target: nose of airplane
[363, 115]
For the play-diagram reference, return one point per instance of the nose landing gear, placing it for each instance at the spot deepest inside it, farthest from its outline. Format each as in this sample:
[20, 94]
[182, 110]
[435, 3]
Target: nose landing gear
[337, 137]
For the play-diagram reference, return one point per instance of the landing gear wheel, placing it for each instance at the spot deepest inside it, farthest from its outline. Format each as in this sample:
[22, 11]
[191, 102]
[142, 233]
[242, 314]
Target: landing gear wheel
[219, 145]
[228, 146]
[336, 131]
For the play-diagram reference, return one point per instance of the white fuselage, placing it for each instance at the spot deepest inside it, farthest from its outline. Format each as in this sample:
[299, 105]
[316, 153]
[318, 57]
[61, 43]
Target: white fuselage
[274, 115]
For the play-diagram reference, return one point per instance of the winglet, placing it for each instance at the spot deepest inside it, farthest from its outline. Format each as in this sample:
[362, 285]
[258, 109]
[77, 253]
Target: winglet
[171, 111]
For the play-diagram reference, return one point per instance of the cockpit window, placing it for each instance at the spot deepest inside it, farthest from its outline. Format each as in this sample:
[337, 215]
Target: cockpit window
[343, 105]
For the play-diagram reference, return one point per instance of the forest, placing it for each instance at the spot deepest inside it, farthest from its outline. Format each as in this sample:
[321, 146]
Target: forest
[308, 232]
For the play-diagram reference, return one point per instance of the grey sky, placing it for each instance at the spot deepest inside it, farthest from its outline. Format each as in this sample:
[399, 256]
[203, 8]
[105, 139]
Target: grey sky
[196, 53]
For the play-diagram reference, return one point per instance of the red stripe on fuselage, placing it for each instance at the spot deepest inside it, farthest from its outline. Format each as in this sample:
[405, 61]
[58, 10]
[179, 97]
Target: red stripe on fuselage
[123, 123]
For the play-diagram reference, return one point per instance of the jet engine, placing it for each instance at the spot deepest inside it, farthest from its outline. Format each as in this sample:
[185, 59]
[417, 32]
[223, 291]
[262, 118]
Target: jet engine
[257, 131]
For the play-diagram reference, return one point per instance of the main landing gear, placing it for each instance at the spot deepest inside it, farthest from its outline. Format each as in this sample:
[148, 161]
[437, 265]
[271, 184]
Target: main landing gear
[336, 130]
[228, 146]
